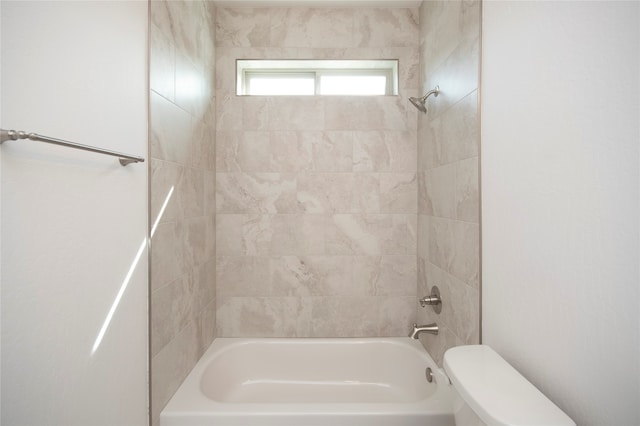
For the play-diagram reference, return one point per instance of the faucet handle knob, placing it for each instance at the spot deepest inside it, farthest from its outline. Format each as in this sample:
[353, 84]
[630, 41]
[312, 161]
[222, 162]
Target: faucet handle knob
[433, 299]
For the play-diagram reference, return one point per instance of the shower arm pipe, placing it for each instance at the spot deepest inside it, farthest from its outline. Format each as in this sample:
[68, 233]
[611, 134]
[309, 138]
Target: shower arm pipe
[435, 92]
[13, 135]
[421, 103]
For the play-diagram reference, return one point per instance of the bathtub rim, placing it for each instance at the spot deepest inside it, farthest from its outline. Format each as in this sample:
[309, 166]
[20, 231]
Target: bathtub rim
[189, 400]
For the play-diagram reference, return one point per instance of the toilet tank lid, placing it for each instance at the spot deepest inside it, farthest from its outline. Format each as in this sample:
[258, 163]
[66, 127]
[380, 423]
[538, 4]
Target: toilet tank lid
[496, 391]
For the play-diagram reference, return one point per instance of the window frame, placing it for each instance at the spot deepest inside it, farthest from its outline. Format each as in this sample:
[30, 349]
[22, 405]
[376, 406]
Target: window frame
[247, 69]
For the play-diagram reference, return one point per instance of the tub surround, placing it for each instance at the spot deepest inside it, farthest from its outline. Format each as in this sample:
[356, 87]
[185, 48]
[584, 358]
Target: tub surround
[448, 175]
[316, 196]
[182, 188]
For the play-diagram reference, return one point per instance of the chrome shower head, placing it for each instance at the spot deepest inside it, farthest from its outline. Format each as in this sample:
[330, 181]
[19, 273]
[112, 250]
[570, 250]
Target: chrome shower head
[420, 103]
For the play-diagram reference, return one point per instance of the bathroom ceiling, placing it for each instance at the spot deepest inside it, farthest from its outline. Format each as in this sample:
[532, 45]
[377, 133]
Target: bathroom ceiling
[319, 3]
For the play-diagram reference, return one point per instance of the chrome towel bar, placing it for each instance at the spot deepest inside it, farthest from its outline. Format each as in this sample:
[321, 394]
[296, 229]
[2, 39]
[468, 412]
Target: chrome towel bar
[13, 135]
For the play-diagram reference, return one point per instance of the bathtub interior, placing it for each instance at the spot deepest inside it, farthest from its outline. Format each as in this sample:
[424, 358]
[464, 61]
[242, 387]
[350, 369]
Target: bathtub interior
[312, 382]
[316, 371]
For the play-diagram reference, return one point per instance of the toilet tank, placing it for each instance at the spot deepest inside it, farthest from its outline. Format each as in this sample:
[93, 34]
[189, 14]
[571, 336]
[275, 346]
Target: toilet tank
[492, 392]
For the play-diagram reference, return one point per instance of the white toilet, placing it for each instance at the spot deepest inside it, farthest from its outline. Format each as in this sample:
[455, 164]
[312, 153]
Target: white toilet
[489, 391]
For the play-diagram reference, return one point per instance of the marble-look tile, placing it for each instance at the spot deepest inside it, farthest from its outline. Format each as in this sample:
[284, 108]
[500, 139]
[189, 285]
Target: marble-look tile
[207, 326]
[292, 276]
[423, 236]
[186, 23]
[322, 27]
[345, 316]
[365, 113]
[386, 27]
[171, 309]
[454, 247]
[296, 113]
[371, 234]
[276, 235]
[311, 254]
[296, 235]
[246, 151]
[467, 198]
[206, 33]
[385, 275]
[290, 152]
[311, 240]
[401, 237]
[171, 130]
[225, 68]
[312, 276]
[182, 117]
[437, 192]
[229, 112]
[166, 177]
[397, 314]
[204, 278]
[441, 243]
[191, 192]
[243, 27]
[256, 193]
[209, 193]
[454, 135]
[210, 236]
[203, 152]
[457, 77]
[366, 193]
[242, 276]
[352, 234]
[162, 63]
[439, 29]
[325, 192]
[167, 255]
[427, 155]
[423, 284]
[243, 235]
[191, 89]
[189, 24]
[460, 304]
[255, 112]
[408, 67]
[398, 193]
[384, 151]
[446, 24]
[465, 262]
[194, 243]
[159, 14]
[263, 317]
[330, 151]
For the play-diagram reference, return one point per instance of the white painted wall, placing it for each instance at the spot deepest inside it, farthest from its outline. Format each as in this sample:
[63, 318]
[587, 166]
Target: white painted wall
[73, 222]
[560, 168]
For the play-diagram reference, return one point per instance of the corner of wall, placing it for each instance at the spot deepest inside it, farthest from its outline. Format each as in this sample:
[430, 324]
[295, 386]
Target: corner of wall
[448, 173]
[182, 117]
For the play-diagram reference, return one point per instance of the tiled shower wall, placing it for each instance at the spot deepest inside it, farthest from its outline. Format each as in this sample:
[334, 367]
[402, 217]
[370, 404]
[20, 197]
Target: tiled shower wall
[448, 179]
[317, 203]
[183, 178]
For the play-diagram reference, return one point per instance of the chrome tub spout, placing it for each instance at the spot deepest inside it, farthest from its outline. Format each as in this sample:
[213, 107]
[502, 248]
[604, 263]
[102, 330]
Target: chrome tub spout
[429, 328]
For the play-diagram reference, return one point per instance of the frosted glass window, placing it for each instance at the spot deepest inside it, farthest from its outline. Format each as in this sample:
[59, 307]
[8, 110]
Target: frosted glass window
[317, 77]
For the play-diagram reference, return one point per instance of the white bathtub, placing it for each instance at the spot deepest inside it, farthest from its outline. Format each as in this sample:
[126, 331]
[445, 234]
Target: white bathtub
[312, 382]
